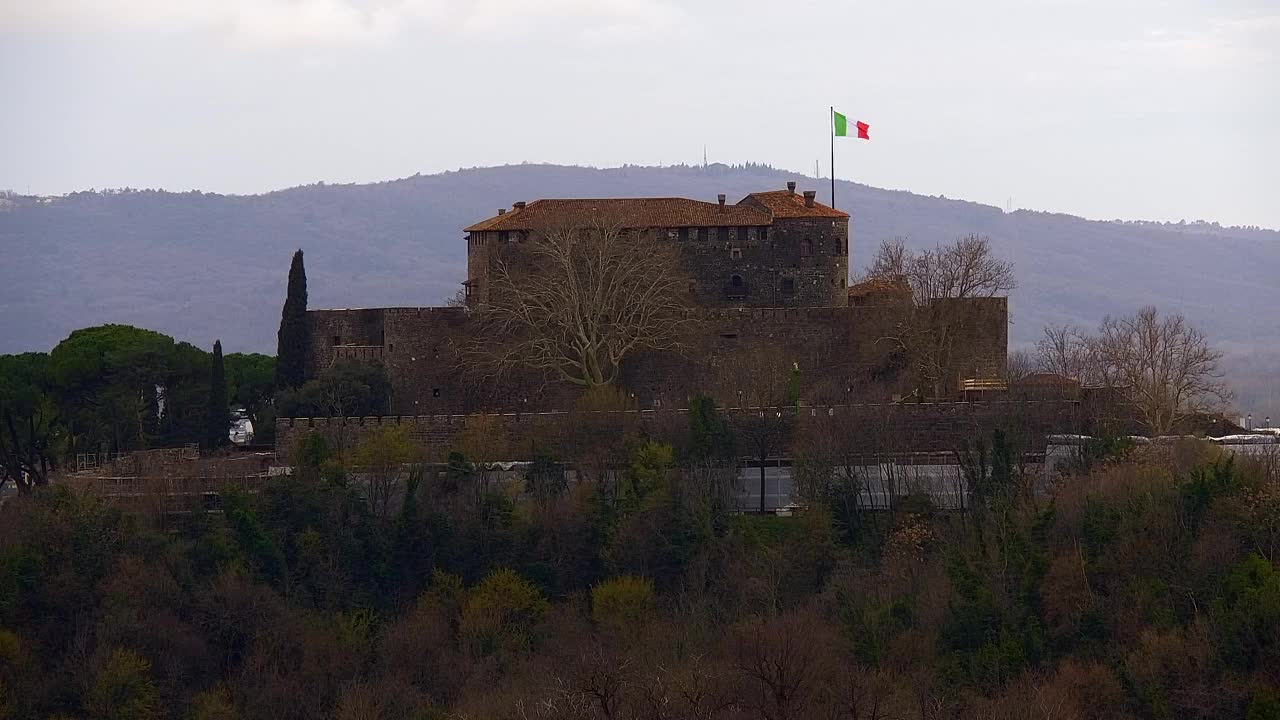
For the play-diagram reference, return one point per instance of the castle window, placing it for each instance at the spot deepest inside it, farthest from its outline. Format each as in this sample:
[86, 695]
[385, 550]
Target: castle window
[684, 234]
[702, 234]
[735, 253]
[337, 339]
[729, 336]
[722, 234]
[435, 392]
[788, 286]
[764, 234]
[806, 248]
[504, 236]
[742, 234]
[736, 281]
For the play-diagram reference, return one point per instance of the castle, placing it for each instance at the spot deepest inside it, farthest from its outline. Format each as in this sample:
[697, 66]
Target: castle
[769, 273]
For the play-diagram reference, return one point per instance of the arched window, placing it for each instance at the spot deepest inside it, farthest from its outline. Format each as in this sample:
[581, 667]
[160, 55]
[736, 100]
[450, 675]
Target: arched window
[806, 248]
[736, 281]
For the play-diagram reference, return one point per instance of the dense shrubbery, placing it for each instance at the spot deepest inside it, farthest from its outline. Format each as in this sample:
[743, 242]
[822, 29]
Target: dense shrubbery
[1145, 588]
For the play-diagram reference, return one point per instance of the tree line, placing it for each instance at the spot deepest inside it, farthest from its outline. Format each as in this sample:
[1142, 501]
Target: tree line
[115, 388]
[367, 585]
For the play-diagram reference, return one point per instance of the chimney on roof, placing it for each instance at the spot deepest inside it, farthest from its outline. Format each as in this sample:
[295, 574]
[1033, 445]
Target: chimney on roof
[808, 197]
[519, 205]
[791, 187]
[502, 211]
[720, 197]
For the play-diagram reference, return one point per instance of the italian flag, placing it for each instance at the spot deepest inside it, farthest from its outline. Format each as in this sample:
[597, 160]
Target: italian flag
[840, 126]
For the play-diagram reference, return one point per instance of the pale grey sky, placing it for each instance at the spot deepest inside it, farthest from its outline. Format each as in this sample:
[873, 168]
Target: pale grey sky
[1102, 108]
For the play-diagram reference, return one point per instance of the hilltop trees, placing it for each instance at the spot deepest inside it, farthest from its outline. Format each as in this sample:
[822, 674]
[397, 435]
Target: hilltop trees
[932, 326]
[1166, 368]
[218, 418]
[1068, 351]
[30, 426]
[291, 349]
[124, 388]
[578, 301]
[115, 389]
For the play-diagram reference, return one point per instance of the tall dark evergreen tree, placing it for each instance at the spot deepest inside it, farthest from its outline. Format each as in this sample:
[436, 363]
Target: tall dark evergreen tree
[291, 350]
[218, 419]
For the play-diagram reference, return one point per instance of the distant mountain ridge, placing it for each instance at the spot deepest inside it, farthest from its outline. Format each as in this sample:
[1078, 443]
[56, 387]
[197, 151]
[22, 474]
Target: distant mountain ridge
[201, 266]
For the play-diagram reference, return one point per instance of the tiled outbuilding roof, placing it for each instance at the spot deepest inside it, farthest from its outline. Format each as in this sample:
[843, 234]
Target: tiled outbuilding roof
[626, 212]
[880, 286]
[787, 204]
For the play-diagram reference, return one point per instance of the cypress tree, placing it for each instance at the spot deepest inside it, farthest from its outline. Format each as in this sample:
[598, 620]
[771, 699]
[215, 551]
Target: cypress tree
[291, 349]
[218, 418]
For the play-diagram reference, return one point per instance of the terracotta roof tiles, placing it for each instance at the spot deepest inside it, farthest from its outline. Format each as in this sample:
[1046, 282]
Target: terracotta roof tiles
[786, 204]
[628, 212]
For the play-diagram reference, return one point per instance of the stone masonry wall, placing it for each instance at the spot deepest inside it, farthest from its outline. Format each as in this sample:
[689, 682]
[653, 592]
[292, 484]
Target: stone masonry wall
[331, 328]
[795, 262]
[861, 428]
[841, 353]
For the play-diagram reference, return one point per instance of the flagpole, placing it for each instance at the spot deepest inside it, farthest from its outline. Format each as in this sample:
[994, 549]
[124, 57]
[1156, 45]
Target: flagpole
[832, 120]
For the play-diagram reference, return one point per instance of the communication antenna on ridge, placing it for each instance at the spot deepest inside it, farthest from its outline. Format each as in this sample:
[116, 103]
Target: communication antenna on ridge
[816, 172]
[704, 156]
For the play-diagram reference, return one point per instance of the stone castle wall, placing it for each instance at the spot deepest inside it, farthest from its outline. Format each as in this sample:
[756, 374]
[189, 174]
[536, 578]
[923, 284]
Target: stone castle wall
[795, 262]
[858, 428]
[843, 353]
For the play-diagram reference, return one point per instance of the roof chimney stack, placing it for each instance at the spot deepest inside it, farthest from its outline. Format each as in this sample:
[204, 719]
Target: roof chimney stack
[808, 197]
[502, 211]
[791, 187]
[519, 205]
[720, 197]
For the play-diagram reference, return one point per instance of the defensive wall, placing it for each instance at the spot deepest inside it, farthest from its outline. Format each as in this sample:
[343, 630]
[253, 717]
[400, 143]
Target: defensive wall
[846, 355]
[849, 429]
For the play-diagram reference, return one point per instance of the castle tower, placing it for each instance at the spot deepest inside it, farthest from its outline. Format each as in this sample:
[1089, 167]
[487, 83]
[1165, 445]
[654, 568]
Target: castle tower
[771, 249]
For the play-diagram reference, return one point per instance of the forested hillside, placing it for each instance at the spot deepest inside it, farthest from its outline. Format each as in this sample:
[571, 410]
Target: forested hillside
[199, 266]
[1144, 586]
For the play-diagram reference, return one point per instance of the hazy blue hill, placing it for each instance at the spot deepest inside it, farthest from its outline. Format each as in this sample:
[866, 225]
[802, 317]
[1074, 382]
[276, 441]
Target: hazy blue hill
[202, 266]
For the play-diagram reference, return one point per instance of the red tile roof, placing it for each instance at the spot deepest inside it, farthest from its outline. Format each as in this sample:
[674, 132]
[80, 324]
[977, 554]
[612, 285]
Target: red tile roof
[880, 286]
[628, 212]
[785, 204]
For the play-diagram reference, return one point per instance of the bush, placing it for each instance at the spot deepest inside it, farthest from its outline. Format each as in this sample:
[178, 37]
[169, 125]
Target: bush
[501, 614]
[1248, 613]
[623, 604]
[123, 689]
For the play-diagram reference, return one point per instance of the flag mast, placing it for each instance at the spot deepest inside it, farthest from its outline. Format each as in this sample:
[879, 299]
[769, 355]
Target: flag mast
[832, 120]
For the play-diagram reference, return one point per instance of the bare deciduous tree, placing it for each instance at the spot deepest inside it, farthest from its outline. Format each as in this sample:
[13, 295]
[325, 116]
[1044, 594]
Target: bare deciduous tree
[765, 382]
[935, 321]
[964, 269]
[1020, 364]
[1068, 351]
[579, 300]
[1168, 367]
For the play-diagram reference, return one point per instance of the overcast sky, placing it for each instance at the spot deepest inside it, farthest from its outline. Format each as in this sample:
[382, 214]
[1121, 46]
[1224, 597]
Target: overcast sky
[1102, 108]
